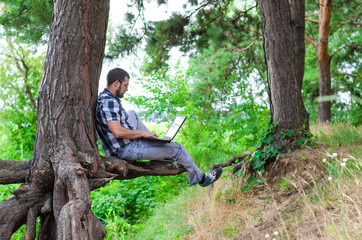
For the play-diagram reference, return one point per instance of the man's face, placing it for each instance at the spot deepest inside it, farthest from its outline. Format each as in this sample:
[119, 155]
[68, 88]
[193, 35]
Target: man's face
[123, 88]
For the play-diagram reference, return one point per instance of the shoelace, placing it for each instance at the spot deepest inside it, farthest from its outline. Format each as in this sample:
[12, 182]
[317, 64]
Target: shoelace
[211, 174]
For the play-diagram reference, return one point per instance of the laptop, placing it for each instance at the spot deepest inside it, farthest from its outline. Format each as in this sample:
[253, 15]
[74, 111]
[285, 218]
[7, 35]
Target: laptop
[172, 130]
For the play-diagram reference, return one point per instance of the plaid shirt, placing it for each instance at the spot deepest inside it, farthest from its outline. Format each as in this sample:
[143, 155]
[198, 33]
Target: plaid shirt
[109, 108]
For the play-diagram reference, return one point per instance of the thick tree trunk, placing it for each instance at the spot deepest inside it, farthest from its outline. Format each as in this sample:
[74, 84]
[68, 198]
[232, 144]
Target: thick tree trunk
[324, 61]
[65, 151]
[283, 37]
[66, 140]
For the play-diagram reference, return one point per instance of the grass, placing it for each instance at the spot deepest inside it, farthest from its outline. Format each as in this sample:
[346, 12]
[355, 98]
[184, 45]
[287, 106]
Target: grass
[338, 134]
[169, 221]
[319, 202]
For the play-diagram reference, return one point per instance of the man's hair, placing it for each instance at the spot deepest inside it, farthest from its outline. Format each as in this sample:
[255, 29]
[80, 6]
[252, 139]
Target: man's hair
[116, 74]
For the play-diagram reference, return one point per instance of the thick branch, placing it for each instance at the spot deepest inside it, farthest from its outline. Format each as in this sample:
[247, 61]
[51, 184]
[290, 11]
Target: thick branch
[12, 171]
[133, 169]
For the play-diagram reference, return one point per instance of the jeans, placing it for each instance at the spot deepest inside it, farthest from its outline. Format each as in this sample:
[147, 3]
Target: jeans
[152, 150]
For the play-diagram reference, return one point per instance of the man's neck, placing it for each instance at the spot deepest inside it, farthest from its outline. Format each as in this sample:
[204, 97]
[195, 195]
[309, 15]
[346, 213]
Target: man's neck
[112, 91]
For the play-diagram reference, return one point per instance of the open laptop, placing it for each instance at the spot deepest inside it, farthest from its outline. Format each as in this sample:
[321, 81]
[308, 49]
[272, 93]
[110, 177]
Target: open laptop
[172, 130]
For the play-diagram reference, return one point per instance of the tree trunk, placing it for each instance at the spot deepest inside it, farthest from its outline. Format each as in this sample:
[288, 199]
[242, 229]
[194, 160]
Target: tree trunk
[324, 61]
[284, 49]
[65, 151]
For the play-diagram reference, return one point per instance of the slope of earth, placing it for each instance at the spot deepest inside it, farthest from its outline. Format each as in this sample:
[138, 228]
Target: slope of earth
[311, 193]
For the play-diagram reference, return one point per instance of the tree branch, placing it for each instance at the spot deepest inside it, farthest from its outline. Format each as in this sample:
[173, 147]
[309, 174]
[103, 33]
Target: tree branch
[239, 14]
[13, 171]
[349, 74]
[341, 23]
[232, 162]
[23, 70]
[353, 23]
[310, 41]
[312, 20]
[74, 217]
[133, 169]
[23, 208]
[345, 46]
[197, 9]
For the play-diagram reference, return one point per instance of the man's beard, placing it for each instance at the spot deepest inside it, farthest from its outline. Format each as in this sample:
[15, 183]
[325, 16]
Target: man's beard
[118, 93]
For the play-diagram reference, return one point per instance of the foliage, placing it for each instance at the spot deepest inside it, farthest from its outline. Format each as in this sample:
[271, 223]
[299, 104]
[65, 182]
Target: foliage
[27, 20]
[223, 117]
[132, 201]
[204, 29]
[345, 51]
[17, 114]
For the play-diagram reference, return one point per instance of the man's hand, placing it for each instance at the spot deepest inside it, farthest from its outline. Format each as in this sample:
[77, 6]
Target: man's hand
[148, 134]
[120, 132]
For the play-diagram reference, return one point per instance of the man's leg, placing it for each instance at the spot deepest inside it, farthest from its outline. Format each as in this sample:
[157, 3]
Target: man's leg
[135, 121]
[143, 149]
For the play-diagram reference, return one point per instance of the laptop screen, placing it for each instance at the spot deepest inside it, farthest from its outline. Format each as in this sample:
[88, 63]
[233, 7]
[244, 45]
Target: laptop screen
[175, 126]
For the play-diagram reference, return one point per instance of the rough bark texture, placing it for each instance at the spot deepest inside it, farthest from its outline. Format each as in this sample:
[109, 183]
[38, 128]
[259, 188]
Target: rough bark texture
[65, 143]
[324, 60]
[65, 151]
[28, 204]
[283, 37]
[13, 171]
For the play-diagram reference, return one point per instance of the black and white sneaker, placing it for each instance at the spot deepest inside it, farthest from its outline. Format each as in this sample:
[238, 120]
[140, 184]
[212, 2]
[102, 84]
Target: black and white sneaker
[211, 177]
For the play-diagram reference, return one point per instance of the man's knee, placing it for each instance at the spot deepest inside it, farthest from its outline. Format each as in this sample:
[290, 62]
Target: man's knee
[132, 112]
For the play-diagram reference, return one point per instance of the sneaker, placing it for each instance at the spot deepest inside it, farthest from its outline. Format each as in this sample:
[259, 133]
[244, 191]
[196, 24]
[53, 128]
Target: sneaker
[211, 177]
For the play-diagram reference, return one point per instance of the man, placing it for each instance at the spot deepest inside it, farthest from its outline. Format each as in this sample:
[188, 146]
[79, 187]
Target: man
[121, 133]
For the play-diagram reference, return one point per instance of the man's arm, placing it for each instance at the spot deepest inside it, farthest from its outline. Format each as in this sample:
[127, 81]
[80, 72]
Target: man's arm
[121, 132]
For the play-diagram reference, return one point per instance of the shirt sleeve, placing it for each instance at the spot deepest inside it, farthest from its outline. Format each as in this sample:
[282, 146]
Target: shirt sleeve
[111, 110]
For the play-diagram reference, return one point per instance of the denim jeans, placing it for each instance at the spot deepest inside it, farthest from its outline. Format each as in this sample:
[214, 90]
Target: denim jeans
[152, 150]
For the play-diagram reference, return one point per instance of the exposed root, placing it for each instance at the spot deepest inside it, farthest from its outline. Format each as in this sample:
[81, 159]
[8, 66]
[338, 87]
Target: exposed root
[232, 162]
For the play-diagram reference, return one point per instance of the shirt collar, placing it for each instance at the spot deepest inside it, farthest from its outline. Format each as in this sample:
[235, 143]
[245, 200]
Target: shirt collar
[106, 91]
[109, 93]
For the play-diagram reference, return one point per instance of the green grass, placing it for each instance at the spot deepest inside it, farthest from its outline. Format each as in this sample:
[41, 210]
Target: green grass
[168, 221]
[338, 134]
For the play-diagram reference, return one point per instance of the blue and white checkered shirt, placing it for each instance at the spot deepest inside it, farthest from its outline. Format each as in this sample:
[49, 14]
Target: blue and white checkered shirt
[109, 108]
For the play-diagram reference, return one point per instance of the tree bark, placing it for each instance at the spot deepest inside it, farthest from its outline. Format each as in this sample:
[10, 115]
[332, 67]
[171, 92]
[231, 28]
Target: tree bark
[28, 202]
[66, 140]
[13, 171]
[284, 49]
[65, 151]
[324, 61]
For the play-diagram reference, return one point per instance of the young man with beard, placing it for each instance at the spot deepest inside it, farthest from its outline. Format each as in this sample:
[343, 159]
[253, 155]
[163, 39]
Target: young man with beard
[121, 133]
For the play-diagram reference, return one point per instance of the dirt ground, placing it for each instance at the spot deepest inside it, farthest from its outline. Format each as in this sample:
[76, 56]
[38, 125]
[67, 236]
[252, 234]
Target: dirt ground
[278, 202]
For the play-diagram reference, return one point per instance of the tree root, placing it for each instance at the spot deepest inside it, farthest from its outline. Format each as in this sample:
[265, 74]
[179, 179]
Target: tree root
[231, 162]
[64, 203]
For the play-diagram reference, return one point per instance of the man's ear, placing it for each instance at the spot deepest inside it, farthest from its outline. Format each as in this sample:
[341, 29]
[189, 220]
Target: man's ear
[116, 83]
